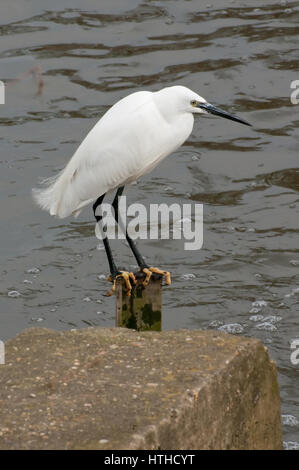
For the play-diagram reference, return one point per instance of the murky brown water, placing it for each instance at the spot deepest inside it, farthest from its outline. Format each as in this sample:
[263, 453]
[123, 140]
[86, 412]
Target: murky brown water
[245, 278]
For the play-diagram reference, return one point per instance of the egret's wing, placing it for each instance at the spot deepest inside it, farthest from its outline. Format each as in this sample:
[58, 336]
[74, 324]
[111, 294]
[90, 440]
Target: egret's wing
[129, 140]
[106, 158]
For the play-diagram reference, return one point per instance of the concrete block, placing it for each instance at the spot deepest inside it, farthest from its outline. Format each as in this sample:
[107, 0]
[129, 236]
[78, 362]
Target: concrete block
[113, 388]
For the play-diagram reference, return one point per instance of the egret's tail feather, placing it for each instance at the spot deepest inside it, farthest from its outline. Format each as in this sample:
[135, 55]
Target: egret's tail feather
[45, 197]
[60, 195]
[52, 197]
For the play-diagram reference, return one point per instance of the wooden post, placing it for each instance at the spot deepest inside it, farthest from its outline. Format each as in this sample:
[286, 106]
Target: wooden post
[143, 309]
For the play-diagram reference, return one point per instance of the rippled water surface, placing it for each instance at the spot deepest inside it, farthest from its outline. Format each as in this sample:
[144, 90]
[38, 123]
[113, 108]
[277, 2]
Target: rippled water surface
[90, 54]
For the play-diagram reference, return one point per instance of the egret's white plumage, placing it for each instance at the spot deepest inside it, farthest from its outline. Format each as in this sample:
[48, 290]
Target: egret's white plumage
[130, 139]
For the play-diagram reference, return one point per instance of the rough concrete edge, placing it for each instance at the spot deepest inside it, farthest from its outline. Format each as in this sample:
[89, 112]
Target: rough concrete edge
[149, 437]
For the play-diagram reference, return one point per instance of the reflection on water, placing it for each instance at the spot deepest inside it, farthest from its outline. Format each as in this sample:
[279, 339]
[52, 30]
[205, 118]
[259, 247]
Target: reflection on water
[242, 58]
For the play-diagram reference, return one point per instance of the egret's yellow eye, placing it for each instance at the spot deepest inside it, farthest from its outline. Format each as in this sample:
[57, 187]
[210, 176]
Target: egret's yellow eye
[193, 103]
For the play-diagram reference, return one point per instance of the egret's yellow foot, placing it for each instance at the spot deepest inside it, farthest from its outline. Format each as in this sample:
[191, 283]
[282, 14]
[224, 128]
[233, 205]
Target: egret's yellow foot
[127, 276]
[148, 274]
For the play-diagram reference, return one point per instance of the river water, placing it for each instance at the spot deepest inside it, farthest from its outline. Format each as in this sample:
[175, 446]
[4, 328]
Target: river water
[90, 54]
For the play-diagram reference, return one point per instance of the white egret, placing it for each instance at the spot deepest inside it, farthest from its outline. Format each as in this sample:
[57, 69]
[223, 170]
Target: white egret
[132, 137]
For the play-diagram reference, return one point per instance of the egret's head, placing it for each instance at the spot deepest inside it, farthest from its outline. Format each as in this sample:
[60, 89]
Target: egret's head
[188, 101]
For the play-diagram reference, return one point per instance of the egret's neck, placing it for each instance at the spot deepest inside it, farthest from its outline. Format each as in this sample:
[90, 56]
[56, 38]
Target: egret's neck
[169, 107]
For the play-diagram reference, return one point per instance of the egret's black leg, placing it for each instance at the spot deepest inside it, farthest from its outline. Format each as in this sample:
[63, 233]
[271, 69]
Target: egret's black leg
[143, 266]
[112, 265]
[114, 271]
[139, 258]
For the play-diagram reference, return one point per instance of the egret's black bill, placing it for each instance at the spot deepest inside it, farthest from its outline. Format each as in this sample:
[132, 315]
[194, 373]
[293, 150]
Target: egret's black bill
[219, 112]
